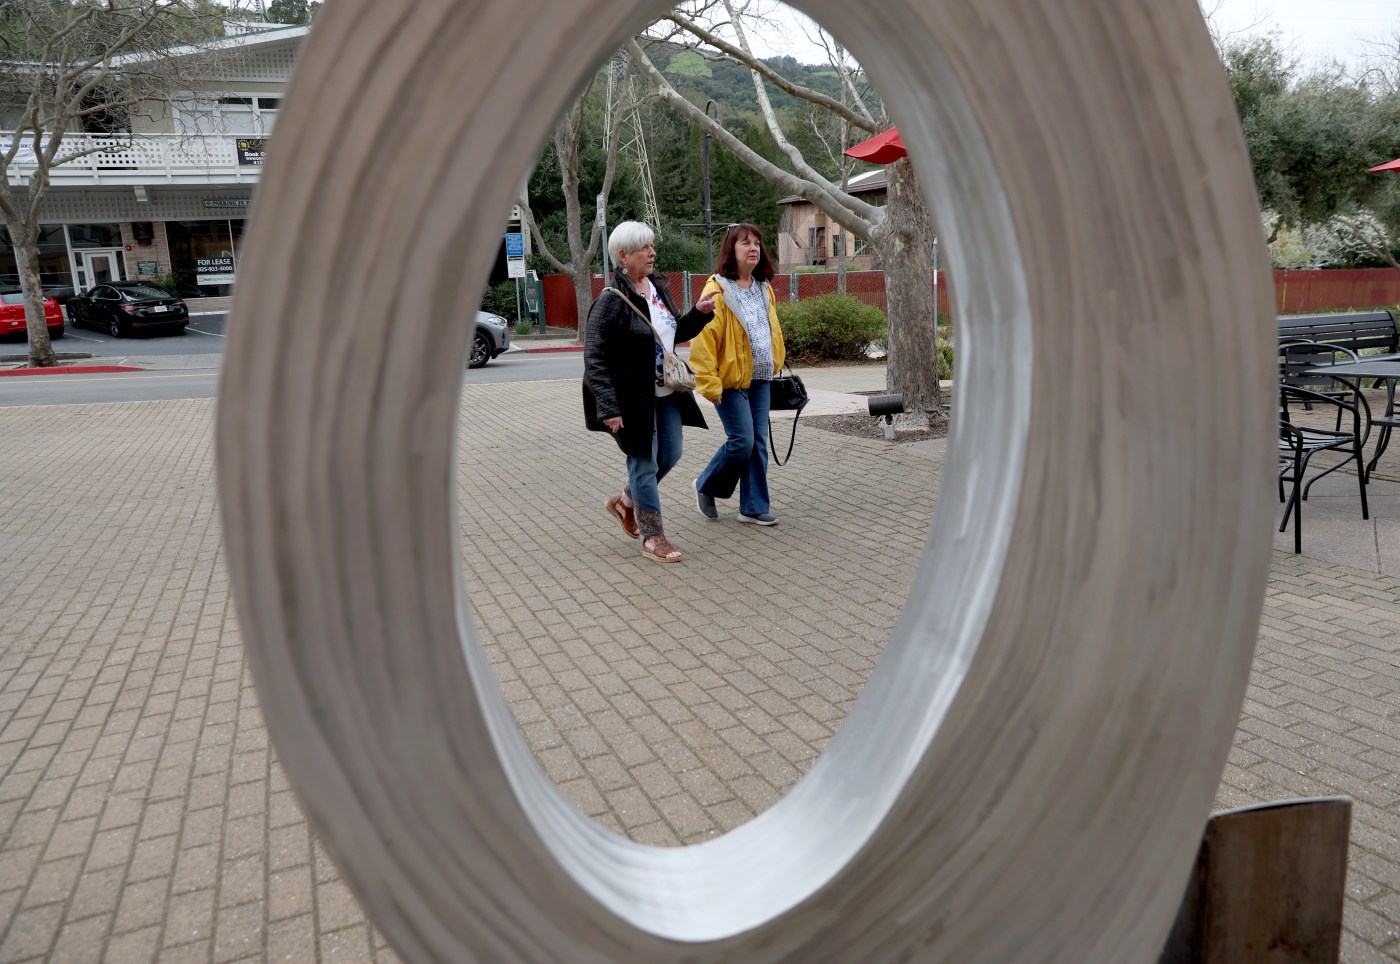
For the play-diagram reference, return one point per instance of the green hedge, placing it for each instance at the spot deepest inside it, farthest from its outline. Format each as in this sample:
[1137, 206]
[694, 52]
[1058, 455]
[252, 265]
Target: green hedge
[500, 300]
[829, 328]
[945, 358]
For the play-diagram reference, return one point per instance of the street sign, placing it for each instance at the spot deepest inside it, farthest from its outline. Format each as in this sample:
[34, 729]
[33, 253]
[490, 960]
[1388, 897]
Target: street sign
[515, 255]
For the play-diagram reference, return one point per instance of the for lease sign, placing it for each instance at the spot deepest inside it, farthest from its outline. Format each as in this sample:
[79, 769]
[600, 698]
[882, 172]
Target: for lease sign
[213, 271]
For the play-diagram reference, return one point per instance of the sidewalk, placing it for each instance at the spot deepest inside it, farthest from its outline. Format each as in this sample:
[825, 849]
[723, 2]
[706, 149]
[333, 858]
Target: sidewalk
[144, 816]
[558, 339]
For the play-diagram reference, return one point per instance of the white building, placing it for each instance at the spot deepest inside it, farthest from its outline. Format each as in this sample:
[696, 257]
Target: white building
[170, 197]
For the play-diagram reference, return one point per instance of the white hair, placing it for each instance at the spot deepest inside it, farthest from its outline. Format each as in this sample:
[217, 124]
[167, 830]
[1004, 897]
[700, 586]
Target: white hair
[629, 236]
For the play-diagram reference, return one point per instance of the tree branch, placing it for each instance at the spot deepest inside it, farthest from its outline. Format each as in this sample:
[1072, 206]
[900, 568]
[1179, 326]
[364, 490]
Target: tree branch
[746, 59]
[529, 215]
[799, 163]
[1383, 252]
[859, 217]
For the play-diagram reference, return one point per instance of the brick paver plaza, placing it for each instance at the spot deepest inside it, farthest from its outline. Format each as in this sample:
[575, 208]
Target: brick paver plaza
[143, 814]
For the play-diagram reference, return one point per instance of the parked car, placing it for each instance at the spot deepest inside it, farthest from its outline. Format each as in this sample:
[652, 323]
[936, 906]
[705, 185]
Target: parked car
[492, 337]
[60, 293]
[122, 308]
[12, 314]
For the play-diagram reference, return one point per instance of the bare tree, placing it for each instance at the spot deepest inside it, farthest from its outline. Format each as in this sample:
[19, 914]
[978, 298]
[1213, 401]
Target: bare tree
[900, 232]
[568, 135]
[73, 66]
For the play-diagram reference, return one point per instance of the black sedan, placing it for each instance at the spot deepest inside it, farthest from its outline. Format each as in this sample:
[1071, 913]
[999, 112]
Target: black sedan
[122, 308]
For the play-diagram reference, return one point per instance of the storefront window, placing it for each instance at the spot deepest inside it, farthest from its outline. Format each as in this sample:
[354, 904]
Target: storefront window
[204, 255]
[53, 258]
[95, 235]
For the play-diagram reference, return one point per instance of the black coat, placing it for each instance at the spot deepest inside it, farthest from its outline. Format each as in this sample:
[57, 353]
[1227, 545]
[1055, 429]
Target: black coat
[619, 365]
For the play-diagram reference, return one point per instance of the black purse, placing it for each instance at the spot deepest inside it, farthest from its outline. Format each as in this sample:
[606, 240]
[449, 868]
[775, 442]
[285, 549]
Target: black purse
[786, 394]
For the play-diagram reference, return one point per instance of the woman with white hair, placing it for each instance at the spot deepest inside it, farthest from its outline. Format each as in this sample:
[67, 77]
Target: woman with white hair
[629, 330]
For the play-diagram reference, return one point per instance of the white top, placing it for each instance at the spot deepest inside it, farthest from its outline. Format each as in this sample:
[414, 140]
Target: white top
[752, 310]
[664, 324]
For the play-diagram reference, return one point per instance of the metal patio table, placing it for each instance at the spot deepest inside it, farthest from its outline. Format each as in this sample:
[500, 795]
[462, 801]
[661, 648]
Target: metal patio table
[1353, 373]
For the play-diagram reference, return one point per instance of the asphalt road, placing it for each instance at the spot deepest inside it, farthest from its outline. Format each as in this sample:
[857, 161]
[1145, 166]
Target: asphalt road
[203, 336]
[200, 379]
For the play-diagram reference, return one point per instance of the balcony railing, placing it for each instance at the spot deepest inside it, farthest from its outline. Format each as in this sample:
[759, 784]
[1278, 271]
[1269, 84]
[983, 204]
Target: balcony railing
[140, 159]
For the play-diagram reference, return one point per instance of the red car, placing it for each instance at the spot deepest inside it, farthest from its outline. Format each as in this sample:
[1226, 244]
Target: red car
[12, 314]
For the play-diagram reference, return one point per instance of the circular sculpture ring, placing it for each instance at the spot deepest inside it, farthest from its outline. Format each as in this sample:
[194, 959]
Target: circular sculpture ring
[1028, 773]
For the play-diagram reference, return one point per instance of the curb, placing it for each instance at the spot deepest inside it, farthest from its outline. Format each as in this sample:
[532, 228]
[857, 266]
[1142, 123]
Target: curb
[70, 370]
[552, 351]
[63, 355]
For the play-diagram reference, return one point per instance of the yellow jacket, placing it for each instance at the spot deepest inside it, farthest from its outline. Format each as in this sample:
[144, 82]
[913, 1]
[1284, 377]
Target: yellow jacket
[720, 354]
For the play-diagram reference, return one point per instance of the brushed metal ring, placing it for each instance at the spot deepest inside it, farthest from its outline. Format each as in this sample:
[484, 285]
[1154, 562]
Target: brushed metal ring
[1026, 775]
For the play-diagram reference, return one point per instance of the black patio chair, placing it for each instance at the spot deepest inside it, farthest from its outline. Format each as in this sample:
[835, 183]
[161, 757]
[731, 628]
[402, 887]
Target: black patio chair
[1297, 355]
[1298, 442]
[1385, 423]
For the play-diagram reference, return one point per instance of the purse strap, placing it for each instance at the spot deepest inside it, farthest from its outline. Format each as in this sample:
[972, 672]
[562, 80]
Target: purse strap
[628, 302]
[791, 442]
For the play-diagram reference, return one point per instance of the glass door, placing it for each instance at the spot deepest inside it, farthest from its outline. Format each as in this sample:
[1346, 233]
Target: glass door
[100, 267]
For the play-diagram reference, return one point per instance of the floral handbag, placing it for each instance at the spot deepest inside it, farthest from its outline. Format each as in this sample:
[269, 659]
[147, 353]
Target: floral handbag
[676, 373]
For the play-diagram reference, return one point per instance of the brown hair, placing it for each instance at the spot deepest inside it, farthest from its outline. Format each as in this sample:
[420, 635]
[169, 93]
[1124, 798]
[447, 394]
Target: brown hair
[729, 260]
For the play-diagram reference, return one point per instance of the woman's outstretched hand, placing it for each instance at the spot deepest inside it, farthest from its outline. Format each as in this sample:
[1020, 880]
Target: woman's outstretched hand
[706, 304]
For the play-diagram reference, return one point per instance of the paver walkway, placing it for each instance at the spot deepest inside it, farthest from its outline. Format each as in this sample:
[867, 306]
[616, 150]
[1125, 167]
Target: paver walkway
[142, 811]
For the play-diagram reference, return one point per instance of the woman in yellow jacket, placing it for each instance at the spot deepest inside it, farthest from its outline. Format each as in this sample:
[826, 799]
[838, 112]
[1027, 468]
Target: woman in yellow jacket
[734, 356]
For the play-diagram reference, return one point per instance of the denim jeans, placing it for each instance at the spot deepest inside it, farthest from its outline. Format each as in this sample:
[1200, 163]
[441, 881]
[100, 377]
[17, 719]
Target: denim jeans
[645, 475]
[743, 458]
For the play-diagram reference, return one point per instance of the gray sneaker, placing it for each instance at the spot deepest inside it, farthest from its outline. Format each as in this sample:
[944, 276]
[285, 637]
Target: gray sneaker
[763, 519]
[705, 503]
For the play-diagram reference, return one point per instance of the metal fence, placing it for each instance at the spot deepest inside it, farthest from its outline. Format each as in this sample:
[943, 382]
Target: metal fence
[1298, 292]
[685, 287]
[1336, 289]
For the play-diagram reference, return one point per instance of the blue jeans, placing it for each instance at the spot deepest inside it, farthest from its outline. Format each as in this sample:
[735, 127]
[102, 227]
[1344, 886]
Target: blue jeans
[644, 475]
[743, 458]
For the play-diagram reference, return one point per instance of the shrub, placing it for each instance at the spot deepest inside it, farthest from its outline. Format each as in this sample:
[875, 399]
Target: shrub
[500, 300]
[830, 327]
[944, 347]
[171, 281]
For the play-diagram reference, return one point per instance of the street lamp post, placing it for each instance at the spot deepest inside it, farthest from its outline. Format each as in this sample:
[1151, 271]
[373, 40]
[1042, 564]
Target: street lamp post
[708, 223]
[705, 163]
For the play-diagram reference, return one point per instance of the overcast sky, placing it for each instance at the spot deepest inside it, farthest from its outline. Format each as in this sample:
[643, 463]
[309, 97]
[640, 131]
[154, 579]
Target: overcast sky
[1313, 29]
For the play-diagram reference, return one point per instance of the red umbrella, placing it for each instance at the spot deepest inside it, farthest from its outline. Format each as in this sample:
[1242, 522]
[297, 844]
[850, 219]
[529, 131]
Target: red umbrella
[883, 148]
[1389, 166]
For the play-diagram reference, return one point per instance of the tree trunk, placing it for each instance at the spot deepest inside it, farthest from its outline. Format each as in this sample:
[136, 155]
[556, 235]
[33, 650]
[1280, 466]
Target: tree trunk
[26, 242]
[906, 250]
[583, 298]
[841, 259]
